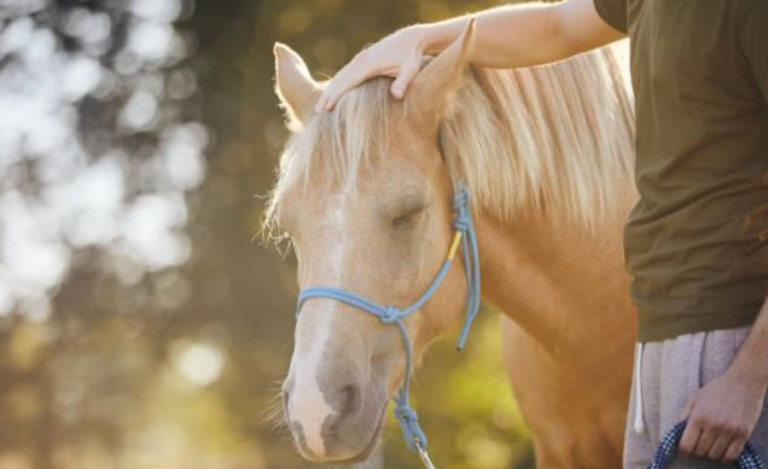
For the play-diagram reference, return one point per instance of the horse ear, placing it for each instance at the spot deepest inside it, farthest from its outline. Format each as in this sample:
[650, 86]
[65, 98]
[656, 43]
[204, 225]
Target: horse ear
[295, 87]
[433, 87]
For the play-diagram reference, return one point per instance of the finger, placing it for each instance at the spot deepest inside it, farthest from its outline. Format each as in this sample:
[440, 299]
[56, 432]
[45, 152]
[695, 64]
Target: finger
[405, 77]
[334, 95]
[345, 83]
[323, 101]
[706, 439]
[320, 104]
[734, 451]
[329, 89]
[721, 443]
[690, 439]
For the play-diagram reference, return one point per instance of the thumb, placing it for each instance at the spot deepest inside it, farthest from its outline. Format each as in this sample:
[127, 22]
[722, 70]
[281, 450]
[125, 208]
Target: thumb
[405, 77]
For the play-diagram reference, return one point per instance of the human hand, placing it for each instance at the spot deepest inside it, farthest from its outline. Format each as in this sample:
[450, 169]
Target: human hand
[398, 55]
[722, 416]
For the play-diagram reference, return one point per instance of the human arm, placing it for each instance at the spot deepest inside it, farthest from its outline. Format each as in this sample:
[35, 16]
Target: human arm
[723, 414]
[507, 37]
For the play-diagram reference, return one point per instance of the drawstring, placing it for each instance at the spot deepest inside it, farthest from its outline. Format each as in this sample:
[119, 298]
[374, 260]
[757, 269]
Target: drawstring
[639, 424]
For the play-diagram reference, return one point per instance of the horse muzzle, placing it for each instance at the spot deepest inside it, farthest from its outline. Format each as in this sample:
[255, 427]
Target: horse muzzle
[335, 415]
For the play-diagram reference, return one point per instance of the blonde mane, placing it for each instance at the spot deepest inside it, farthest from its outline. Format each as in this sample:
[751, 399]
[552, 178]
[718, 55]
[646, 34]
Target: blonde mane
[555, 139]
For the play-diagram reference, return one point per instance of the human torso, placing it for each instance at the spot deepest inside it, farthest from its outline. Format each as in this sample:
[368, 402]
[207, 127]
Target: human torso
[696, 240]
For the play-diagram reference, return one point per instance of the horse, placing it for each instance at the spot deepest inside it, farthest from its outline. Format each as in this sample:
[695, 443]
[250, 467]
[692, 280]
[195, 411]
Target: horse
[363, 193]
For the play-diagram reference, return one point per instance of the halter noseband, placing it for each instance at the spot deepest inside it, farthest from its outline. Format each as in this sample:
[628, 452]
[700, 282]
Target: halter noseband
[390, 314]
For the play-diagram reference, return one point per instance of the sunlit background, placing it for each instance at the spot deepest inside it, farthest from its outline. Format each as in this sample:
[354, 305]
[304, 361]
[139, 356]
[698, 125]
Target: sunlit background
[141, 326]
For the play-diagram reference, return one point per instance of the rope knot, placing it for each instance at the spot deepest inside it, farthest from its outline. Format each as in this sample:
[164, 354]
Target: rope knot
[390, 315]
[406, 415]
[461, 224]
[461, 198]
[409, 424]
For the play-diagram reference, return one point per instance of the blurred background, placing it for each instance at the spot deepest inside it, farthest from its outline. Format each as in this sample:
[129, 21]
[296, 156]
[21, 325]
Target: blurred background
[142, 325]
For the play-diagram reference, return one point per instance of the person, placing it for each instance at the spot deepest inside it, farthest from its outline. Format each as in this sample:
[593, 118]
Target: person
[696, 241]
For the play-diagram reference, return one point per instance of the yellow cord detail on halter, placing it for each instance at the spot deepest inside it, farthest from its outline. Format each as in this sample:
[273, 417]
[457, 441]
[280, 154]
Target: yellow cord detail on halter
[454, 245]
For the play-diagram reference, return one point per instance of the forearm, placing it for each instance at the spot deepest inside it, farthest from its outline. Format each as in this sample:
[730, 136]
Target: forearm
[751, 362]
[504, 37]
[524, 35]
[507, 37]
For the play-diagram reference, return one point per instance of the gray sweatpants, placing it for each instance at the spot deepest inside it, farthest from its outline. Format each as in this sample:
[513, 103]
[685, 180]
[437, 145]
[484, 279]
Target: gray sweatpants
[669, 372]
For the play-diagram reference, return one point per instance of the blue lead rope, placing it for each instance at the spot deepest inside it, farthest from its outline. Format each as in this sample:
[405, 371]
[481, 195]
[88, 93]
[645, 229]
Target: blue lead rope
[749, 458]
[465, 230]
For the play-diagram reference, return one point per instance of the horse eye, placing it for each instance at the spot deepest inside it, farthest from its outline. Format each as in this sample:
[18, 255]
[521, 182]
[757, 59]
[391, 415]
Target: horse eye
[408, 217]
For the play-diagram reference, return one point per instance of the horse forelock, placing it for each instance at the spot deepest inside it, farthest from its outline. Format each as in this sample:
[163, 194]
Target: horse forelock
[332, 147]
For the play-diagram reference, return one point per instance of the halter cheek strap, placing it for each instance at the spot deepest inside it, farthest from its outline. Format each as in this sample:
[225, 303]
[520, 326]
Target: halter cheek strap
[390, 314]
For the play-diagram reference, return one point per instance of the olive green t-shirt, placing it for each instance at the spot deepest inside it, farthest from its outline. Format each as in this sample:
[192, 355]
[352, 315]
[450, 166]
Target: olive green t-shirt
[696, 243]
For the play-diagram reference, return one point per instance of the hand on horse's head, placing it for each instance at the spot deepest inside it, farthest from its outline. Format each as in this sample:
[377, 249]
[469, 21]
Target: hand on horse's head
[399, 55]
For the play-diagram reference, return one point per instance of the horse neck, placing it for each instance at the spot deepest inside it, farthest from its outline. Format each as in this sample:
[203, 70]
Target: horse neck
[565, 287]
[544, 150]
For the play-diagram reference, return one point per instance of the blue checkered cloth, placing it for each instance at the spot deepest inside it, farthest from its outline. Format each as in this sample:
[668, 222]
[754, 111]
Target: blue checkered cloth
[749, 458]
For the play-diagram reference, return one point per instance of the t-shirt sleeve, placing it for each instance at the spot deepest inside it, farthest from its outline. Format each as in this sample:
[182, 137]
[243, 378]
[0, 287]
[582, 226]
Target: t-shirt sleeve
[754, 42]
[613, 12]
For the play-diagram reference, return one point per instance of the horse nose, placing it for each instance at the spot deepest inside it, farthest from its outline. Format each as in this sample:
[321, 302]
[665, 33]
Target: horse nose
[323, 413]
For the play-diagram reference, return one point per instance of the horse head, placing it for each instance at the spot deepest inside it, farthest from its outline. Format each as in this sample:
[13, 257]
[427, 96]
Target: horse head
[365, 196]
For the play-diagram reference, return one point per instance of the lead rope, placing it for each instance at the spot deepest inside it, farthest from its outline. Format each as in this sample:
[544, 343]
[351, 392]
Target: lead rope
[464, 236]
[749, 458]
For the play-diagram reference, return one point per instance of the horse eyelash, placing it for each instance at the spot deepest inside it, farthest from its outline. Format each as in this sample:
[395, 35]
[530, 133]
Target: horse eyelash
[408, 216]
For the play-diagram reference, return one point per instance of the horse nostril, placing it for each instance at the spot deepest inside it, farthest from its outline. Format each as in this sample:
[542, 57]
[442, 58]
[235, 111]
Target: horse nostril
[350, 399]
[347, 405]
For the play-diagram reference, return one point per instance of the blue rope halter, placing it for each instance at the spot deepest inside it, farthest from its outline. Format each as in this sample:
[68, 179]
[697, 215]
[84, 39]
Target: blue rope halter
[390, 314]
[749, 458]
